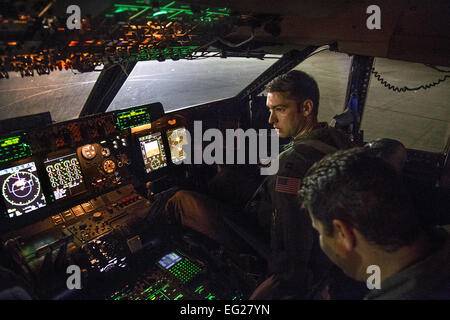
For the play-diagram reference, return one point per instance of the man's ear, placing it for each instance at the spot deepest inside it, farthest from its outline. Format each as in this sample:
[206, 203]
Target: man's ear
[344, 234]
[307, 107]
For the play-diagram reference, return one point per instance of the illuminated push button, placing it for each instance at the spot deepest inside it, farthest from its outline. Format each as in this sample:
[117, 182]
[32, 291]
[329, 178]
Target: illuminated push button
[57, 219]
[97, 216]
[87, 206]
[78, 211]
[68, 215]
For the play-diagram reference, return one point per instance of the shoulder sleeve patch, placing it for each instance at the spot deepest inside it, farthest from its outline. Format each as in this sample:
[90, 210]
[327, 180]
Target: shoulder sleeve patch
[287, 185]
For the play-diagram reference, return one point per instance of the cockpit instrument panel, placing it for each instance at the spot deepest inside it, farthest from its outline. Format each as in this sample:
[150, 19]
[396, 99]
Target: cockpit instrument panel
[63, 164]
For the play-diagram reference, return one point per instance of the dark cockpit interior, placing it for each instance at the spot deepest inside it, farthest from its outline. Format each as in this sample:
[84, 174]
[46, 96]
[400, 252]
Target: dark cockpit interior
[90, 192]
[83, 190]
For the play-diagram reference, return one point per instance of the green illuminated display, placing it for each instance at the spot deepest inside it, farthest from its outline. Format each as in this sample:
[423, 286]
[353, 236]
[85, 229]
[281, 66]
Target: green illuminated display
[133, 118]
[168, 53]
[13, 148]
[184, 270]
[170, 10]
[9, 141]
[159, 290]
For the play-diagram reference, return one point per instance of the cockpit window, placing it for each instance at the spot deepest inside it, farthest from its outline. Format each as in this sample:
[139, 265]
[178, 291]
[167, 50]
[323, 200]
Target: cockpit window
[419, 119]
[330, 70]
[181, 84]
[62, 93]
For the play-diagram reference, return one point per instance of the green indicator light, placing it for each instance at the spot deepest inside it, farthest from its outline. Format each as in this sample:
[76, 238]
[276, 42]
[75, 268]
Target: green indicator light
[149, 288]
[178, 297]
[159, 13]
[168, 5]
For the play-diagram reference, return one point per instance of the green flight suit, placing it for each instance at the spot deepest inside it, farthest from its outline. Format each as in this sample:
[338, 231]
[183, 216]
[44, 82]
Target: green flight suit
[292, 247]
[428, 279]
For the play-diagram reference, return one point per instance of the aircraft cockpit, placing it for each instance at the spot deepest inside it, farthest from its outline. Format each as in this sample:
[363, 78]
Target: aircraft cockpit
[84, 194]
[68, 185]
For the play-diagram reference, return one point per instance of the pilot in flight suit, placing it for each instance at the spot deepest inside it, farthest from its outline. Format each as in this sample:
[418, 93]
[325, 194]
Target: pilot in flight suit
[294, 251]
[293, 102]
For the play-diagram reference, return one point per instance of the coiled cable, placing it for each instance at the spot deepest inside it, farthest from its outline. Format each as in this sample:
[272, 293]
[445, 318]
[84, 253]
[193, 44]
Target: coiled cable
[404, 89]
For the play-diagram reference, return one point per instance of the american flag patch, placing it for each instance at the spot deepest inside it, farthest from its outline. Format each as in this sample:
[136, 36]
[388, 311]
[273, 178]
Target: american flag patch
[287, 185]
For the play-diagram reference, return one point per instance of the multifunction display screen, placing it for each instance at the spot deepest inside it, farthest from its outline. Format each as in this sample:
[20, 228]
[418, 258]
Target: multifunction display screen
[153, 152]
[177, 138]
[21, 189]
[65, 175]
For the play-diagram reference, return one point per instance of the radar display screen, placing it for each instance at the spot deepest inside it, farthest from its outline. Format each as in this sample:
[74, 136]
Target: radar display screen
[177, 138]
[65, 175]
[132, 118]
[153, 153]
[21, 189]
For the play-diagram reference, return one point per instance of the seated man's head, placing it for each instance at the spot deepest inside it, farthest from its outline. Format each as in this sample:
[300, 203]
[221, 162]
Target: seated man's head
[360, 208]
[293, 100]
[390, 150]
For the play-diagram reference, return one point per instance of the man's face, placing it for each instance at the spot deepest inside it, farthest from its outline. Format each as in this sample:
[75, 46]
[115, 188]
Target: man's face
[326, 241]
[333, 247]
[284, 114]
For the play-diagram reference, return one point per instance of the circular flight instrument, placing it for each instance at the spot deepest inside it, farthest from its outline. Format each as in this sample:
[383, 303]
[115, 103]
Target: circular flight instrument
[88, 151]
[106, 152]
[109, 166]
[21, 188]
[155, 163]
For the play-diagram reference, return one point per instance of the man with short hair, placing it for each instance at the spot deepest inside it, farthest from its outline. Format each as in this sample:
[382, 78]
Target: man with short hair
[293, 101]
[364, 216]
